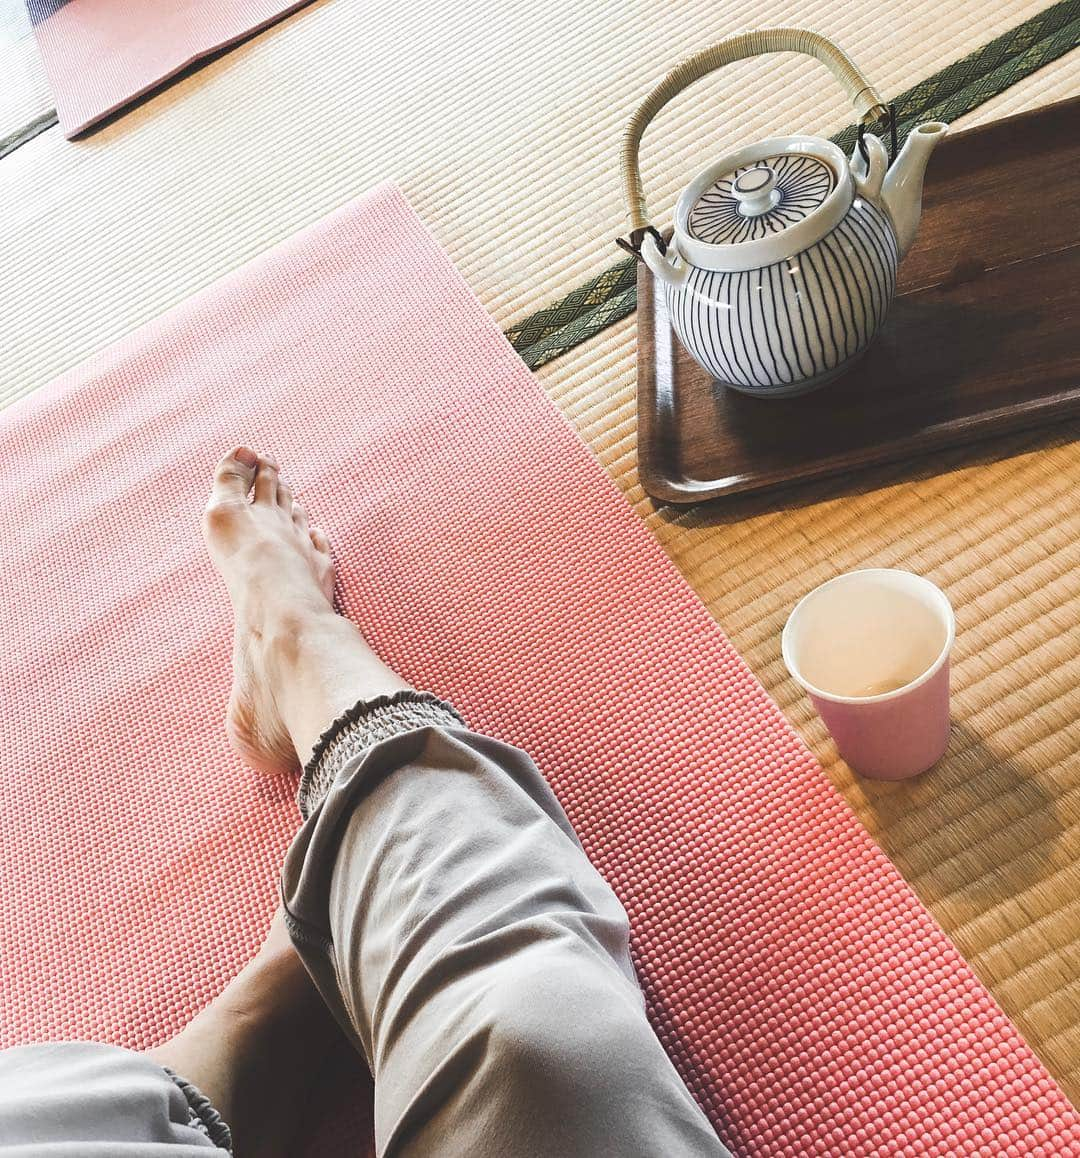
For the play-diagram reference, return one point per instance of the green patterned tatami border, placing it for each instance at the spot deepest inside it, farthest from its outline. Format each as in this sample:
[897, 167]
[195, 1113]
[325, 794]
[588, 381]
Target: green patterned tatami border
[948, 94]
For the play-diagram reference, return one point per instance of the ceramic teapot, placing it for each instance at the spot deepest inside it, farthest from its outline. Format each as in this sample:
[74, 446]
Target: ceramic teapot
[782, 265]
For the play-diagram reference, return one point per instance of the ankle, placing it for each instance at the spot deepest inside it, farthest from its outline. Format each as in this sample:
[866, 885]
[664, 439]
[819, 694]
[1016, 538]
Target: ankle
[308, 664]
[296, 637]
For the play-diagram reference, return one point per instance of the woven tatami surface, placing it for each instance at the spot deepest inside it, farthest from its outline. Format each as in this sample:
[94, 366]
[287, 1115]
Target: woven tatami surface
[503, 131]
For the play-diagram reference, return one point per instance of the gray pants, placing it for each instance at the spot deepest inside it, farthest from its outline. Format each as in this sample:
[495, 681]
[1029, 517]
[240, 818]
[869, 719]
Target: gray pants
[446, 911]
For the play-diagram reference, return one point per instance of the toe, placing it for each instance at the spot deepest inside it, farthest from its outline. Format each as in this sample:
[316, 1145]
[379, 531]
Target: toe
[284, 496]
[266, 480]
[324, 563]
[299, 517]
[234, 475]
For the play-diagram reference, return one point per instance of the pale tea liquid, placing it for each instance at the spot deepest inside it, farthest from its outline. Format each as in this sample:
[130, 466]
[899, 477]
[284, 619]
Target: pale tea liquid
[867, 642]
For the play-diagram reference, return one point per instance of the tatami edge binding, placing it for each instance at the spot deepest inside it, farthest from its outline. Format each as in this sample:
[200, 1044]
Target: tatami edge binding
[28, 132]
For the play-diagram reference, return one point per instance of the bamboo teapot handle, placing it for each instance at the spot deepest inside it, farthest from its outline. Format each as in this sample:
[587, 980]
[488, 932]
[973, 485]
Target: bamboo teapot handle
[868, 104]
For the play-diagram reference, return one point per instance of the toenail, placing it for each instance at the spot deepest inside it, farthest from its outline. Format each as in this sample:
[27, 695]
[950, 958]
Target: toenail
[246, 457]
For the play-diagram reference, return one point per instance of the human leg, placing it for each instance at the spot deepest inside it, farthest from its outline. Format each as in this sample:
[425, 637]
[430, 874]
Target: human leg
[437, 892]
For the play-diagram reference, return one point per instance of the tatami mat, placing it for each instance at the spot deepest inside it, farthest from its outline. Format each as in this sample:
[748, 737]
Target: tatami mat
[502, 126]
[503, 130]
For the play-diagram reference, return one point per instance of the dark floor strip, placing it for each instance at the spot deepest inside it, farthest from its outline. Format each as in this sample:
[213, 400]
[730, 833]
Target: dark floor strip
[28, 132]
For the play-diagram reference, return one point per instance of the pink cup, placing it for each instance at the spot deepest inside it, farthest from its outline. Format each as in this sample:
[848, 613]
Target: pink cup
[872, 650]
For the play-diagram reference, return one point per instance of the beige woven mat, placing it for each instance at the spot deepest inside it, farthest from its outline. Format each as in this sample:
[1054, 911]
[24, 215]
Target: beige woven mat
[502, 128]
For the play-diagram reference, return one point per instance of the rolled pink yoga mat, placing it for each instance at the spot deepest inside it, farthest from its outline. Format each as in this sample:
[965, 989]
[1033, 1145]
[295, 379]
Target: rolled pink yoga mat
[100, 55]
[809, 1000]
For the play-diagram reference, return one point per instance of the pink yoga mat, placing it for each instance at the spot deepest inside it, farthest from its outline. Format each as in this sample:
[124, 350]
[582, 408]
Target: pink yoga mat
[99, 55]
[811, 1003]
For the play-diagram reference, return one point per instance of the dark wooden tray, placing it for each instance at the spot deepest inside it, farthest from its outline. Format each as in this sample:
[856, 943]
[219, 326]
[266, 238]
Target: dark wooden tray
[983, 338]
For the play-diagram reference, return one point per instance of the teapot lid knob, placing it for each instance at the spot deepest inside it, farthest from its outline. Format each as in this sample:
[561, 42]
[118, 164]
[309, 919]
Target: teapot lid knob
[755, 190]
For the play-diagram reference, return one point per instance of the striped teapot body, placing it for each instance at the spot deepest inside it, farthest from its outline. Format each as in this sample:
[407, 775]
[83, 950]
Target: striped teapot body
[789, 326]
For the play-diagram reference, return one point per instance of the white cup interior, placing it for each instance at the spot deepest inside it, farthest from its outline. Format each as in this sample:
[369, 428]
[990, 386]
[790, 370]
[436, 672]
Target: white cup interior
[868, 634]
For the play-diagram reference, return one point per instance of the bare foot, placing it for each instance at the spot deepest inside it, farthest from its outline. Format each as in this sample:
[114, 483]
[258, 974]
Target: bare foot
[296, 663]
[279, 573]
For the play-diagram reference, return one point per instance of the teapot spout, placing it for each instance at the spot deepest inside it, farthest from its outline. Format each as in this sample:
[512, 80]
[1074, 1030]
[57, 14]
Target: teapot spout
[902, 188]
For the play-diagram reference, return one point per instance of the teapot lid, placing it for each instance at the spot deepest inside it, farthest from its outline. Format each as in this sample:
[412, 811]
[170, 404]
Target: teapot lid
[763, 203]
[762, 197]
